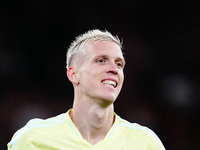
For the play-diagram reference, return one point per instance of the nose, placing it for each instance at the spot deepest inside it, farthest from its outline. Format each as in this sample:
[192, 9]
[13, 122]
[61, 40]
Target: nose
[112, 68]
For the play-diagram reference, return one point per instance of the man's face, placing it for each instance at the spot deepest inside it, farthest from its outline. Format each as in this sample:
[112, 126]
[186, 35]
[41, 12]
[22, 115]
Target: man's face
[100, 73]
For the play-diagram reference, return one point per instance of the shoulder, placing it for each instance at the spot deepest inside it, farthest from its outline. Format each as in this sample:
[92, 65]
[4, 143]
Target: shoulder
[142, 133]
[134, 127]
[34, 128]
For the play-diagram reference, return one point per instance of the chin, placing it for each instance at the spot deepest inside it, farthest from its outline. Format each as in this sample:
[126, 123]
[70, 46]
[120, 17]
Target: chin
[108, 100]
[105, 99]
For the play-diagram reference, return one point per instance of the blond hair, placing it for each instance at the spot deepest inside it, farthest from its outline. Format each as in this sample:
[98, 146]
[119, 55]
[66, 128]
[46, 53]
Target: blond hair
[92, 35]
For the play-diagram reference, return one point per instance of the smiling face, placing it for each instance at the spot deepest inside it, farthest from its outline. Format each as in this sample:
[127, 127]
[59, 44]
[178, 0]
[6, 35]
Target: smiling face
[100, 71]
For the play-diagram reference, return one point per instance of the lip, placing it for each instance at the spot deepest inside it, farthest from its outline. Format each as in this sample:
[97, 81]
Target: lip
[111, 79]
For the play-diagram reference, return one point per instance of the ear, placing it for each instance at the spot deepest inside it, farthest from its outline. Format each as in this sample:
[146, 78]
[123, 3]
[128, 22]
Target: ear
[72, 76]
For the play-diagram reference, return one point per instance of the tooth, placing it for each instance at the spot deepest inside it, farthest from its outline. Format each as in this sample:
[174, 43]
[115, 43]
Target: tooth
[109, 82]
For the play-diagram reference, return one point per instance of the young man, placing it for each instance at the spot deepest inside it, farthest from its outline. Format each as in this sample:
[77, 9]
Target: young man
[95, 66]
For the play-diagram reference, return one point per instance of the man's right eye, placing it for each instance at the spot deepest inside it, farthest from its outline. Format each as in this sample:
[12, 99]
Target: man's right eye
[101, 61]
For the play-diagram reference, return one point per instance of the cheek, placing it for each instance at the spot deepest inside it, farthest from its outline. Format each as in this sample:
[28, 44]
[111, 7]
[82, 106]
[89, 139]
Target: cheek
[122, 78]
[88, 77]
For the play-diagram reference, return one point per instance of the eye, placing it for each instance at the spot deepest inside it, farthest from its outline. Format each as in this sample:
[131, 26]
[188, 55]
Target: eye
[101, 61]
[119, 65]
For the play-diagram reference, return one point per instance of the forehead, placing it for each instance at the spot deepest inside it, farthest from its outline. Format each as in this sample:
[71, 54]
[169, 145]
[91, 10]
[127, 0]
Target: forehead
[103, 48]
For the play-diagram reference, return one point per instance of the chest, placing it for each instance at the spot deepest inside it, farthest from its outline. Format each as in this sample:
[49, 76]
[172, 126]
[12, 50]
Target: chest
[74, 143]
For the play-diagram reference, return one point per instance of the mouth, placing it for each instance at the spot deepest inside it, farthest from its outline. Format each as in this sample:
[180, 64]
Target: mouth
[110, 83]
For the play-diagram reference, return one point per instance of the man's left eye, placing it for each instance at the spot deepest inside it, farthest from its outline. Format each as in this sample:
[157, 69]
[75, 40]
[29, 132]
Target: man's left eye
[119, 64]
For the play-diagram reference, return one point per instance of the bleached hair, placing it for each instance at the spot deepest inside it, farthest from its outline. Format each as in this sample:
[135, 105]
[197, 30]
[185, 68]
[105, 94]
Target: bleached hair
[78, 44]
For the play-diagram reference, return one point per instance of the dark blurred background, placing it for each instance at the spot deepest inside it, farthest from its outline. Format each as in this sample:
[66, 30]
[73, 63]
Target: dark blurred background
[162, 51]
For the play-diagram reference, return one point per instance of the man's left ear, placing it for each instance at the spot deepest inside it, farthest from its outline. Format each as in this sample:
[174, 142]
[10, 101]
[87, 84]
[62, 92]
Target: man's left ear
[72, 76]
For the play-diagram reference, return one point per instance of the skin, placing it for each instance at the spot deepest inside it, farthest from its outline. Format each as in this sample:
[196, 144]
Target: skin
[93, 109]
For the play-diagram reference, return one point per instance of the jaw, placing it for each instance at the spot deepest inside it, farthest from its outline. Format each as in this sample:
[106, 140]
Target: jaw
[109, 92]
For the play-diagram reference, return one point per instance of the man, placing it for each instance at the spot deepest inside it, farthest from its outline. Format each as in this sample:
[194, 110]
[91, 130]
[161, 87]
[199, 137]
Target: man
[95, 66]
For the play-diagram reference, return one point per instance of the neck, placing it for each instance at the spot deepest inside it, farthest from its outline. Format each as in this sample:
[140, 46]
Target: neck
[92, 121]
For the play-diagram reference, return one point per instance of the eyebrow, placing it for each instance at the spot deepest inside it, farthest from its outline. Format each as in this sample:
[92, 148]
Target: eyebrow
[106, 56]
[121, 59]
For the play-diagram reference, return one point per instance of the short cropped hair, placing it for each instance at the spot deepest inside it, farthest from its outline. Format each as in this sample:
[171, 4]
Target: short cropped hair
[78, 44]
